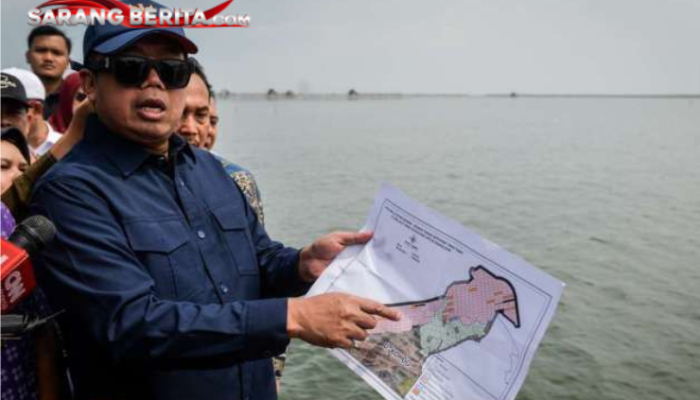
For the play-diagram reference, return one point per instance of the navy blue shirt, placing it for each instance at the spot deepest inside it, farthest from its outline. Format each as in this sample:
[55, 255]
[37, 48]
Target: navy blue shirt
[172, 289]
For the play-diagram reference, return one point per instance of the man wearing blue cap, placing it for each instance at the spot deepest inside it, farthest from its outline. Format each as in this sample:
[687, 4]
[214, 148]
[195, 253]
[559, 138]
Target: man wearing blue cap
[172, 288]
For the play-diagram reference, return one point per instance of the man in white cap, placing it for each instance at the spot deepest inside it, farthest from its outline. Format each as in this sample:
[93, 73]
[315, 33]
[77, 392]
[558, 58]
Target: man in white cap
[40, 135]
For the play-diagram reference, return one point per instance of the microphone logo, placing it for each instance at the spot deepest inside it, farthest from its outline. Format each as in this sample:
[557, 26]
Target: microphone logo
[13, 288]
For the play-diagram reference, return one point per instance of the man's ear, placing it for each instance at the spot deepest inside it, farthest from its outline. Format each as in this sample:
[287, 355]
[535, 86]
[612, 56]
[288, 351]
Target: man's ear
[88, 80]
[26, 57]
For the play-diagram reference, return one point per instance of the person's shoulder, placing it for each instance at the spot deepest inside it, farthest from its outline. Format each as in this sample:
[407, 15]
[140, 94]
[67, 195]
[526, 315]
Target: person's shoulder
[204, 156]
[219, 161]
[229, 166]
[80, 164]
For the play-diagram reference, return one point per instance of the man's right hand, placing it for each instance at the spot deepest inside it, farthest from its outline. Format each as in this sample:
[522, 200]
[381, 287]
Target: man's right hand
[334, 319]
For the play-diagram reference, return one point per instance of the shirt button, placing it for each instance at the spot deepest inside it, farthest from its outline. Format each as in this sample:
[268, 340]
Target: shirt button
[181, 182]
[224, 288]
[201, 234]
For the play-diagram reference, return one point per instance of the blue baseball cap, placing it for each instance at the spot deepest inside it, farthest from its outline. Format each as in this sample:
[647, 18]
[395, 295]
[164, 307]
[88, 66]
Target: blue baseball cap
[109, 39]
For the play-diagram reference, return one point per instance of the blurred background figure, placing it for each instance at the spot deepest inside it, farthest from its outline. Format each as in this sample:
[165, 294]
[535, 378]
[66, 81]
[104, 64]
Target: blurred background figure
[70, 97]
[48, 55]
[40, 134]
[196, 128]
[194, 125]
[213, 123]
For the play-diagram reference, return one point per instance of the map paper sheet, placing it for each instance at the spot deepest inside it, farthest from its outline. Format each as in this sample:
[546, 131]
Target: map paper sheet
[473, 314]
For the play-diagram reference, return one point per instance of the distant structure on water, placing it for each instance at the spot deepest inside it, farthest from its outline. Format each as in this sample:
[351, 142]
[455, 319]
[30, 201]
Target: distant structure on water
[271, 94]
[289, 94]
[352, 94]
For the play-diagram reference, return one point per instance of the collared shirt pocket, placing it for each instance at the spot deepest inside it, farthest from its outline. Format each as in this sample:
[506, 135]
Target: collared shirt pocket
[163, 248]
[234, 225]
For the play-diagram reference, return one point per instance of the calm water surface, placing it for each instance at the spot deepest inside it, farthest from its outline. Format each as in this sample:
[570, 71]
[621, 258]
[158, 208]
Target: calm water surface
[604, 194]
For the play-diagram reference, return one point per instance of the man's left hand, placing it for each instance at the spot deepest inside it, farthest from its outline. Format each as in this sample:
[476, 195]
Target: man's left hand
[315, 258]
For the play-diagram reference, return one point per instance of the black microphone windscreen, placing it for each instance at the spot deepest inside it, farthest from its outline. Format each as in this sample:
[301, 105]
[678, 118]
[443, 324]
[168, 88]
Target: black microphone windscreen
[33, 234]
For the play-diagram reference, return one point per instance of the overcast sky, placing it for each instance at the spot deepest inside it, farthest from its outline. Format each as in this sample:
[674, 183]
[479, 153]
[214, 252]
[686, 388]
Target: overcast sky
[447, 46]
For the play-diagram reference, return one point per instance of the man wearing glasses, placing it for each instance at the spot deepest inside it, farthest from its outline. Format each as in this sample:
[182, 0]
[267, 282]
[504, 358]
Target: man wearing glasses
[172, 288]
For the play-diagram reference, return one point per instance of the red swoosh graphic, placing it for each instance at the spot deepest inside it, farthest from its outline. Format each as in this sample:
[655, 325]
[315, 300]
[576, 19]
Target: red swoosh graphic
[212, 12]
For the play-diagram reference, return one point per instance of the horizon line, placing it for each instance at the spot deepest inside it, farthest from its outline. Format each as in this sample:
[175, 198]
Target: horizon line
[289, 93]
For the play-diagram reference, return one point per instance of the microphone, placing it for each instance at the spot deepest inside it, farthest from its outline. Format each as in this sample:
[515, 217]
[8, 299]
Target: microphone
[16, 273]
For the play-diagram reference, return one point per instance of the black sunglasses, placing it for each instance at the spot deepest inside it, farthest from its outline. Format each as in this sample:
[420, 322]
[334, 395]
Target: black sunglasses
[134, 70]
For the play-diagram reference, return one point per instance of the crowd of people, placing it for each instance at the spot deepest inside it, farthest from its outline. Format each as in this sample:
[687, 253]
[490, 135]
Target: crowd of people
[167, 284]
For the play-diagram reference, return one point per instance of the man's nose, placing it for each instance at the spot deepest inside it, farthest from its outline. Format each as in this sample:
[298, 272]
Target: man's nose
[188, 129]
[153, 80]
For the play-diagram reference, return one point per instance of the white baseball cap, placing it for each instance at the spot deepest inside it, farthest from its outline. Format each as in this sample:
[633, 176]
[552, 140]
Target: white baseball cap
[32, 84]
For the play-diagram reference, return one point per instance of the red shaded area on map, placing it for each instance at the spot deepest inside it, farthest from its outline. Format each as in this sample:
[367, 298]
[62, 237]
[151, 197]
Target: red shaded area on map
[477, 300]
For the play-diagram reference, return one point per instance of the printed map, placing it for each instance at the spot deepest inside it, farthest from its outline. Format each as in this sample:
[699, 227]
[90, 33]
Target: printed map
[396, 351]
[473, 314]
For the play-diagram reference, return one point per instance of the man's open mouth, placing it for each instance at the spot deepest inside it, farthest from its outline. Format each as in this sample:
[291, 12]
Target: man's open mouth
[151, 109]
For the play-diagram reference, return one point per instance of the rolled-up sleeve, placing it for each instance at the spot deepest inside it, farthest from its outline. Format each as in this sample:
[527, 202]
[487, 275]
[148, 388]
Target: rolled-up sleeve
[91, 270]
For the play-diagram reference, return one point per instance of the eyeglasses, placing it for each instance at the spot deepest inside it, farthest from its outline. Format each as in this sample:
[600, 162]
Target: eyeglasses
[134, 70]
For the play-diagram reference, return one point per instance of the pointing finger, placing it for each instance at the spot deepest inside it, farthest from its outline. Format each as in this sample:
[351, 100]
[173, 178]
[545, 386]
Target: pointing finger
[374, 308]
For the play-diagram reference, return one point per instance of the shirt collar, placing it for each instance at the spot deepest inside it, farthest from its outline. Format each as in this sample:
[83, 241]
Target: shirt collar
[128, 156]
[51, 139]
